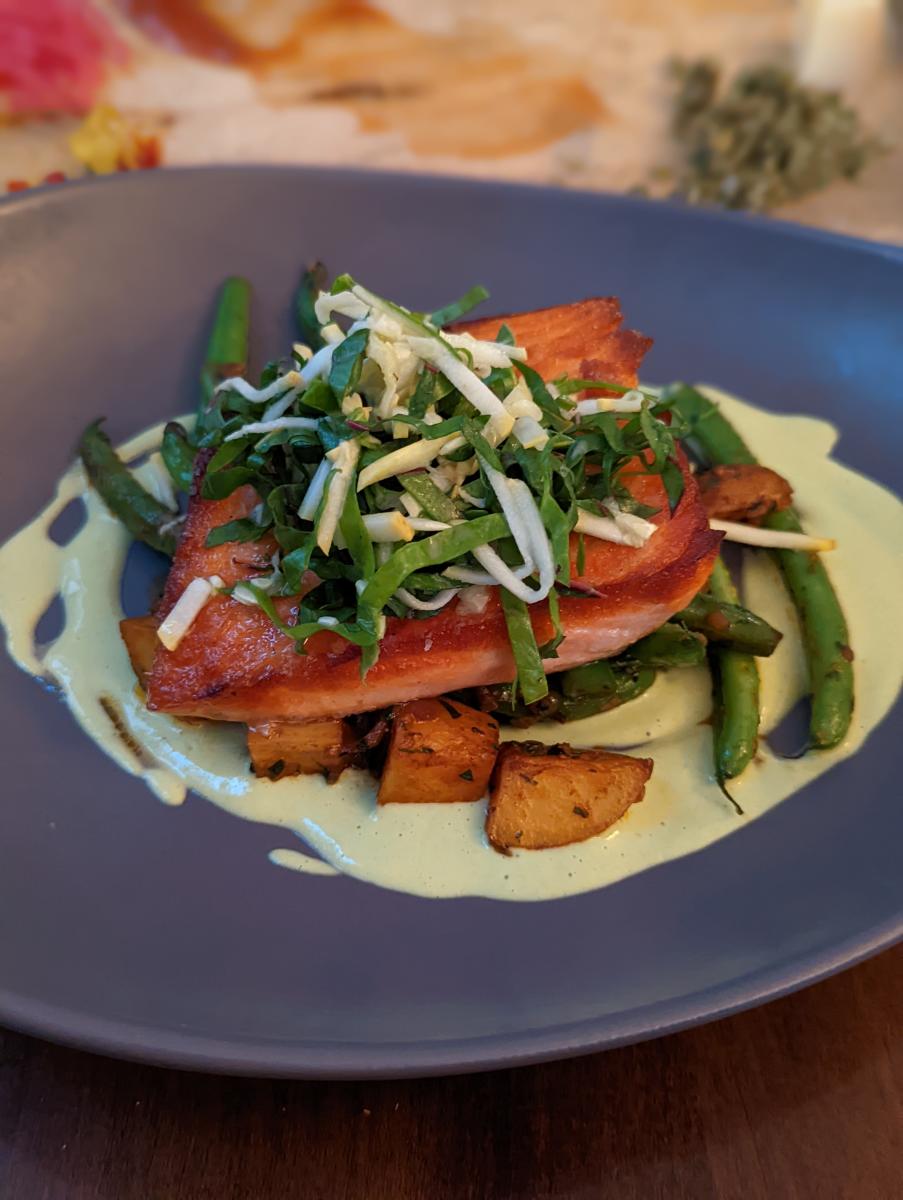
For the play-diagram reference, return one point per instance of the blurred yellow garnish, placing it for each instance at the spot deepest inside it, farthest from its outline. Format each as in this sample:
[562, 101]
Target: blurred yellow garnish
[105, 142]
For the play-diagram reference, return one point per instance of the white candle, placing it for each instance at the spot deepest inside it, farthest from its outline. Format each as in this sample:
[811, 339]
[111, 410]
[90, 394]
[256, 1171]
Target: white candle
[842, 43]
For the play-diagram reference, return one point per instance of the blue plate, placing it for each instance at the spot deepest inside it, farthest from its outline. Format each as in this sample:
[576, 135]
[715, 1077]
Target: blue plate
[166, 935]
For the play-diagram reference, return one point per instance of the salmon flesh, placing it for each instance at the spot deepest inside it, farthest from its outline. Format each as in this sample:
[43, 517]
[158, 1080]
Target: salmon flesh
[234, 665]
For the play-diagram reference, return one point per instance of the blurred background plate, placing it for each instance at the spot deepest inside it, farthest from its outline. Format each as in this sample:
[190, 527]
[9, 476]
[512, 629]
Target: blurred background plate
[165, 934]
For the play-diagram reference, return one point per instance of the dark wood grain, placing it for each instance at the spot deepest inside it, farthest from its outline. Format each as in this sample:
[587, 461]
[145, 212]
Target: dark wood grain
[802, 1098]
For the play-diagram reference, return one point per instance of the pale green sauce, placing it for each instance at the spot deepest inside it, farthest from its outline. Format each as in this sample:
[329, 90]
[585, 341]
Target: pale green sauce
[440, 850]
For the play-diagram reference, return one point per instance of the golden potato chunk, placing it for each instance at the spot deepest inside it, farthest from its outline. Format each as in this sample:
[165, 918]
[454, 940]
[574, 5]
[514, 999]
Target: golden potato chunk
[280, 748]
[140, 637]
[440, 752]
[546, 796]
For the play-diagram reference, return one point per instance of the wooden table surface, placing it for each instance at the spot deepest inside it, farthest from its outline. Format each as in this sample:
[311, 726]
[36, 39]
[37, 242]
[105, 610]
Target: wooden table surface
[802, 1098]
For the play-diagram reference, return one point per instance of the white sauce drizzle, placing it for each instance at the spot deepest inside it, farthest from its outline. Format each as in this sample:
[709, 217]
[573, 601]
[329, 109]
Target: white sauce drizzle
[440, 850]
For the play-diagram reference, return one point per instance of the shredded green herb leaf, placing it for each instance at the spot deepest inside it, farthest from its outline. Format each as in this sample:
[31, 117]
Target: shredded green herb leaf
[456, 310]
[531, 678]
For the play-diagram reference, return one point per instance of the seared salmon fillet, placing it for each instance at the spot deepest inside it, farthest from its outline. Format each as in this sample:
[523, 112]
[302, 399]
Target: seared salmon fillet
[234, 665]
[584, 340]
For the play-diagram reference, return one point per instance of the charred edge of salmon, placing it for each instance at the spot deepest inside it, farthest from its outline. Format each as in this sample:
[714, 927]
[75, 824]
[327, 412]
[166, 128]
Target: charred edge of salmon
[617, 361]
[557, 338]
[584, 319]
[691, 569]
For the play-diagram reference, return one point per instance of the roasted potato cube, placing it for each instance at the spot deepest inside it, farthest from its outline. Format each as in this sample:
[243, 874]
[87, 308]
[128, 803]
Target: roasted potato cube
[546, 796]
[140, 637]
[280, 748]
[440, 752]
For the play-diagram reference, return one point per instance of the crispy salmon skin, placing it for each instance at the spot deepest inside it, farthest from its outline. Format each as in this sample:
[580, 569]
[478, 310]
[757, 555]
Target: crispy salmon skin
[234, 665]
[585, 340]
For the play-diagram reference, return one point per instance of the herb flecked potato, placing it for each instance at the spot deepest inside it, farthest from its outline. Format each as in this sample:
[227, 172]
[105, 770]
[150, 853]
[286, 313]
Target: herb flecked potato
[440, 752]
[545, 796]
[281, 748]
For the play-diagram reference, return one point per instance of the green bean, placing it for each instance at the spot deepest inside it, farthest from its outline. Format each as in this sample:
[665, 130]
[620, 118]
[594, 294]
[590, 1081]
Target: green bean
[227, 349]
[313, 281]
[730, 625]
[141, 513]
[608, 685]
[735, 679]
[825, 631]
[576, 708]
[669, 646]
[607, 680]
[178, 455]
[825, 634]
[504, 700]
[711, 434]
[590, 679]
[628, 685]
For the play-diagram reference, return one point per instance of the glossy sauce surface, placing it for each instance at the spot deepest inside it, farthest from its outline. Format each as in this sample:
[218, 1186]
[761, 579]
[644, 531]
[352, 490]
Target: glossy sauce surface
[440, 850]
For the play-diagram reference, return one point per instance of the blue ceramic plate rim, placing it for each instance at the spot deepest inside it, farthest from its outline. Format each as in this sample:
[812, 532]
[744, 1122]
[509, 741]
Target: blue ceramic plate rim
[360, 176]
[350, 1059]
[401, 1060]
